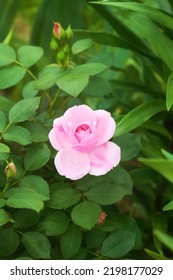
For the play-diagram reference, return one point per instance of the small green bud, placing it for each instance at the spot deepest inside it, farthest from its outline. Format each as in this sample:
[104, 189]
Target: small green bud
[61, 56]
[10, 170]
[69, 33]
[66, 49]
[53, 45]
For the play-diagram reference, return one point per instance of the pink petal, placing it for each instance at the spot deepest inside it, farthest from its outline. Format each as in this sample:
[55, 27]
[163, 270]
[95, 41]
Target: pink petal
[105, 127]
[103, 158]
[78, 115]
[58, 137]
[72, 164]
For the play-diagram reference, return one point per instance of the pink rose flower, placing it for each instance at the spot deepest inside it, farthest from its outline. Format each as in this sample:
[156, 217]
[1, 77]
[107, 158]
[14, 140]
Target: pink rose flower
[82, 137]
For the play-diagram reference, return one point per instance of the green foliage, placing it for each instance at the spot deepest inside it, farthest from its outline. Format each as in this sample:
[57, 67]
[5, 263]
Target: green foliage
[120, 60]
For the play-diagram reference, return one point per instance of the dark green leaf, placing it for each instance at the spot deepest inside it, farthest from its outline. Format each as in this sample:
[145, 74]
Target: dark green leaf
[70, 241]
[169, 92]
[118, 244]
[18, 134]
[9, 242]
[86, 214]
[36, 244]
[36, 157]
[4, 217]
[2, 121]
[25, 218]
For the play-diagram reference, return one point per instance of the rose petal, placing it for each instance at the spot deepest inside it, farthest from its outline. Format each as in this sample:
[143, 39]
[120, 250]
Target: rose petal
[103, 158]
[78, 115]
[58, 137]
[72, 164]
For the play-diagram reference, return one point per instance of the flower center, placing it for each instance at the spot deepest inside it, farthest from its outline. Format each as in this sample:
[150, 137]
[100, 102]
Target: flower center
[82, 131]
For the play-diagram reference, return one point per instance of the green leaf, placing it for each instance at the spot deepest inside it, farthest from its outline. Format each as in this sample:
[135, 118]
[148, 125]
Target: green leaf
[2, 202]
[155, 255]
[11, 76]
[109, 189]
[38, 132]
[7, 55]
[169, 92]
[5, 104]
[73, 82]
[18, 134]
[4, 217]
[153, 13]
[37, 184]
[118, 244]
[97, 87]
[36, 244]
[25, 218]
[23, 109]
[161, 165]
[2, 121]
[24, 198]
[166, 239]
[81, 45]
[167, 155]
[86, 214]
[29, 91]
[54, 223]
[48, 77]
[91, 68]
[36, 157]
[70, 241]
[29, 55]
[9, 242]
[63, 198]
[130, 145]
[168, 206]
[139, 115]
[4, 148]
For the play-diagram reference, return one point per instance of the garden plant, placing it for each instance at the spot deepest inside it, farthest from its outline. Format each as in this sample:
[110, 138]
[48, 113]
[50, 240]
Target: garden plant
[86, 127]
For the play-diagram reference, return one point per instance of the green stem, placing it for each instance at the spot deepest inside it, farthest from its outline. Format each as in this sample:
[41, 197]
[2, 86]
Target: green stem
[54, 101]
[7, 127]
[97, 255]
[5, 188]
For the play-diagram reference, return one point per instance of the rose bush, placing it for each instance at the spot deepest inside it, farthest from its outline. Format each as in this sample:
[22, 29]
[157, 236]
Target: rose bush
[81, 137]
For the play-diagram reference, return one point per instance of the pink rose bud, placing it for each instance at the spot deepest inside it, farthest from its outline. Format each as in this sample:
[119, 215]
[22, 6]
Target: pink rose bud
[102, 218]
[10, 170]
[58, 31]
[81, 137]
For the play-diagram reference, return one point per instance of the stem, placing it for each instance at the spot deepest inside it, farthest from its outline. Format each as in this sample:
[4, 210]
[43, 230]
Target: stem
[5, 188]
[53, 103]
[97, 255]
[7, 127]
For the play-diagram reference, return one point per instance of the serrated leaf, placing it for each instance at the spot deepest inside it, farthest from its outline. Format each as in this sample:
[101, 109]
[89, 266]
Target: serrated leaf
[11, 76]
[169, 92]
[108, 189]
[38, 132]
[36, 157]
[29, 55]
[2, 121]
[4, 217]
[54, 223]
[73, 82]
[81, 45]
[70, 241]
[23, 109]
[24, 198]
[2, 202]
[63, 198]
[48, 77]
[7, 55]
[18, 134]
[37, 184]
[118, 244]
[28, 90]
[139, 115]
[86, 214]
[36, 244]
[9, 242]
